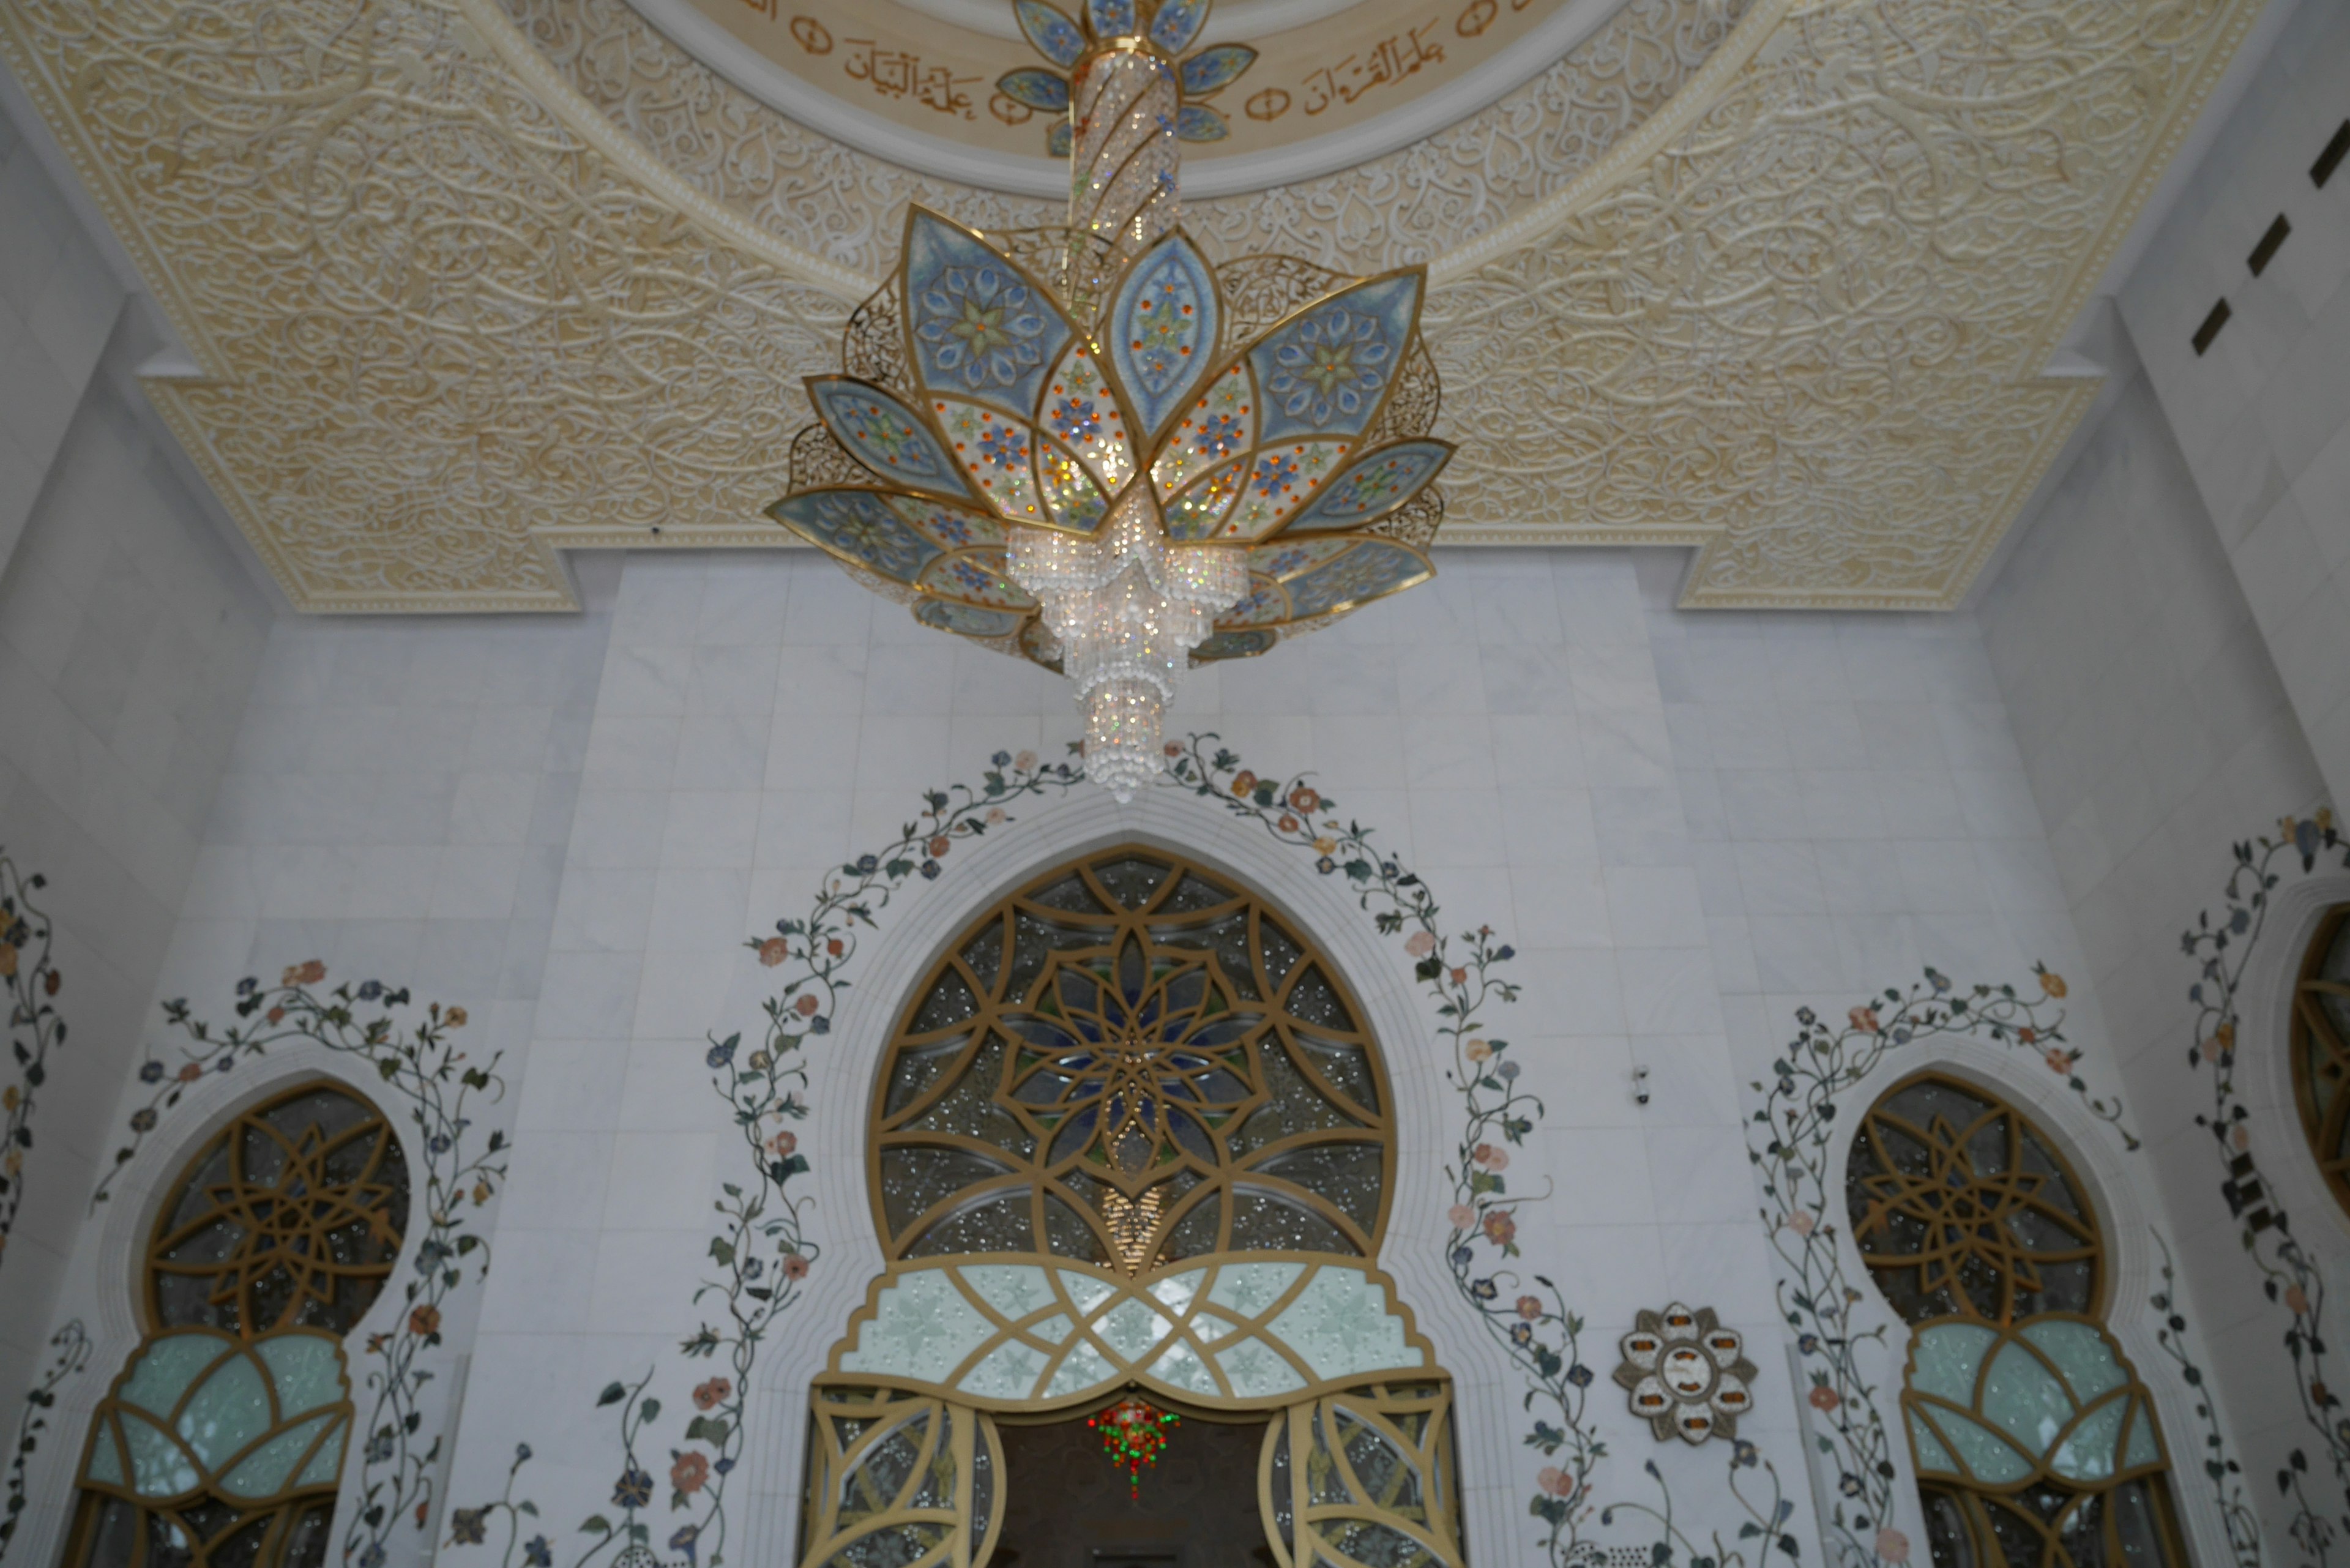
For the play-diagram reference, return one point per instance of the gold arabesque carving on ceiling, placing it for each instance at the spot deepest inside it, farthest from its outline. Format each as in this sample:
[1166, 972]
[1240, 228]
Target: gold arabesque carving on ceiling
[470, 283]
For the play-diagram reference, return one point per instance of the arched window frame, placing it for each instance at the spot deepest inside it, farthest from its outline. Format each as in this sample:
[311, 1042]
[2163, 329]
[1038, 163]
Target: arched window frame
[2264, 1078]
[2112, 1180]
[104, 1282]
[1379, 976]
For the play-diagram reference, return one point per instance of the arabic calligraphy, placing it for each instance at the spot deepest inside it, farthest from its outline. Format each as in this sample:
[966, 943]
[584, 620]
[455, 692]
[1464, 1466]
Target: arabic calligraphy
[894, 73]
[1392, 59]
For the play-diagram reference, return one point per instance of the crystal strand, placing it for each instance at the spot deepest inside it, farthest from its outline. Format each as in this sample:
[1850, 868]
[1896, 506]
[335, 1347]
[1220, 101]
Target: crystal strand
[1125, 605]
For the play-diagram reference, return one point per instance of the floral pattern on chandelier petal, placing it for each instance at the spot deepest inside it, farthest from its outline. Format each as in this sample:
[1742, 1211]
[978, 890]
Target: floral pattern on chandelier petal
[1082, 411]
[1325, 369]
[1071, 498]
[1287, 558]
[1177, 26]
[856, 526]
[1162, 329]
[974, 578]
[1112, 18]
[1050, 32]
[1040, 90]
[978, 325]
[949, 527]
[1220, 423]
[884, 435]
[998, 453]
[1213, 70]
[944, 615]
[1198, 122]
[1374, 485]
[1279, 481]
[1373, 570]
[1234, 645]
[1198, 513]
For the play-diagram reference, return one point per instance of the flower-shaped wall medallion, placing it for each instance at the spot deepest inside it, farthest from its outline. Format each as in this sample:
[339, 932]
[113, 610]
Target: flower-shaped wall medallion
[1686, 1374]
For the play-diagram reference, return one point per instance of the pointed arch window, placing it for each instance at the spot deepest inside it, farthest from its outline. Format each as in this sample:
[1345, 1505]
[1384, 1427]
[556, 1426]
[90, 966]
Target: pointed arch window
[222, 1443]
[2320, 1049]
[2036, 1442]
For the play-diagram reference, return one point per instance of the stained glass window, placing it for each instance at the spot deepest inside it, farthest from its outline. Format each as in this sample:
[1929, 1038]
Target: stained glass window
[1132, 1060]
[2320, 1049]
[2035, 1444]
[222, 1443]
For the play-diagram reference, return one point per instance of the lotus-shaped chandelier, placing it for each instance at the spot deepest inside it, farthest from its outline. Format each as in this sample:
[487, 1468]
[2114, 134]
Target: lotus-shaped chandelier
[1093, 448]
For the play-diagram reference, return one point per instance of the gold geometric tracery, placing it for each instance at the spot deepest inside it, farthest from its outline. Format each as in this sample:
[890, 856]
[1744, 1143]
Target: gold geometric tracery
[1962, 1208]
[2320, 1049]
[1130, 1060]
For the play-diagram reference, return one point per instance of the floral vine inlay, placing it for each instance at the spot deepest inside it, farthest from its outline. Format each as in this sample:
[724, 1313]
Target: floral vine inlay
[71, 1349]
[418, 1060]
[2291, 1276]
[35, 1027]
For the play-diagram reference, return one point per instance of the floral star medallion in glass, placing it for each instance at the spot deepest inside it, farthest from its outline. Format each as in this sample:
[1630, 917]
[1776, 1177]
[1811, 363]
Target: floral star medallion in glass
[1686, 1374]
[1091, 447]
[1133, 1431]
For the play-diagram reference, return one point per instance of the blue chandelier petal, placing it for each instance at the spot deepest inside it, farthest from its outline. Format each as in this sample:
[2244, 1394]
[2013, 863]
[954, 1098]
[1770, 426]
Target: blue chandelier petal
[1373, 485]
[1163, 323]
[1198, 122]
[1177, 24]
[977, 327]
[1326, 370]
[1039, 88]
[1050, 32]
[1210, 70]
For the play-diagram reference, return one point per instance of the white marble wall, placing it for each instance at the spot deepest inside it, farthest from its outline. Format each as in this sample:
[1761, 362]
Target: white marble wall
[2157, 733]
[2263, 418]
[760, 721]
[57, 303]
[127, 642]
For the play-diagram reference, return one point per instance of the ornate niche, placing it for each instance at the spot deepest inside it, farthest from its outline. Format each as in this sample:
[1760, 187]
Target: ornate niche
[1130, 1134]
[2035, 1439]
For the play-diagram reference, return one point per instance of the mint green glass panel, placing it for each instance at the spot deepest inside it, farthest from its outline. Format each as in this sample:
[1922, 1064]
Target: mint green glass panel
[2143, 1448]
[1946, 1357]
[1016, 1290]
[921, 1330]
[2081, 1353]
[1182, 1367]
[1932, 1458]
[1085, 1290]
[2086, 1454]
[268, 1468]
[1083, 1369]
[1007, 1371]
[1340, 1324]
[229, 1410]
[326, 1464]
[166, 1366]
[1131, 1328]
[2024, 1399]
[1210, 1328]
[1256, 1371]
[1176, 1292]
[1981, 1452]
[1054, 1328]
[308, 1370]
[105, 1455]
[1247, 1289]
[159, 1467]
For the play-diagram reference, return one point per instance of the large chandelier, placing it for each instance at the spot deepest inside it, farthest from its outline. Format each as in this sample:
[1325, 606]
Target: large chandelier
[1089, 447]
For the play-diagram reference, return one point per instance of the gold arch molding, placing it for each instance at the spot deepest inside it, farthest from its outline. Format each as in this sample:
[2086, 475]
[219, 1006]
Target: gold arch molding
[464, 293]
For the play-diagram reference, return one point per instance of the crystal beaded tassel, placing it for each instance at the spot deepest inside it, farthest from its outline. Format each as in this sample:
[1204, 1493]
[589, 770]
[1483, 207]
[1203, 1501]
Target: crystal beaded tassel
[1127, 605]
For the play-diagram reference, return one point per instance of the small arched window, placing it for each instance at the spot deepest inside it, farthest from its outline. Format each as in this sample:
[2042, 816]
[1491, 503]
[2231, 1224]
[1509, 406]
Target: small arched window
[2320, 1049]
[222, 1443]
[2035, 1443]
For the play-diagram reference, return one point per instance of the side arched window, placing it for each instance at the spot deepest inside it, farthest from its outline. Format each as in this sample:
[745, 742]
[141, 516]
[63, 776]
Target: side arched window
[222, 1443]
[2320, 1049]
[2036, 1442]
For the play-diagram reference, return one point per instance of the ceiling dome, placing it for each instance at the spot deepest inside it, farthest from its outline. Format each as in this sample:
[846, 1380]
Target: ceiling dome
[1336, 82]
